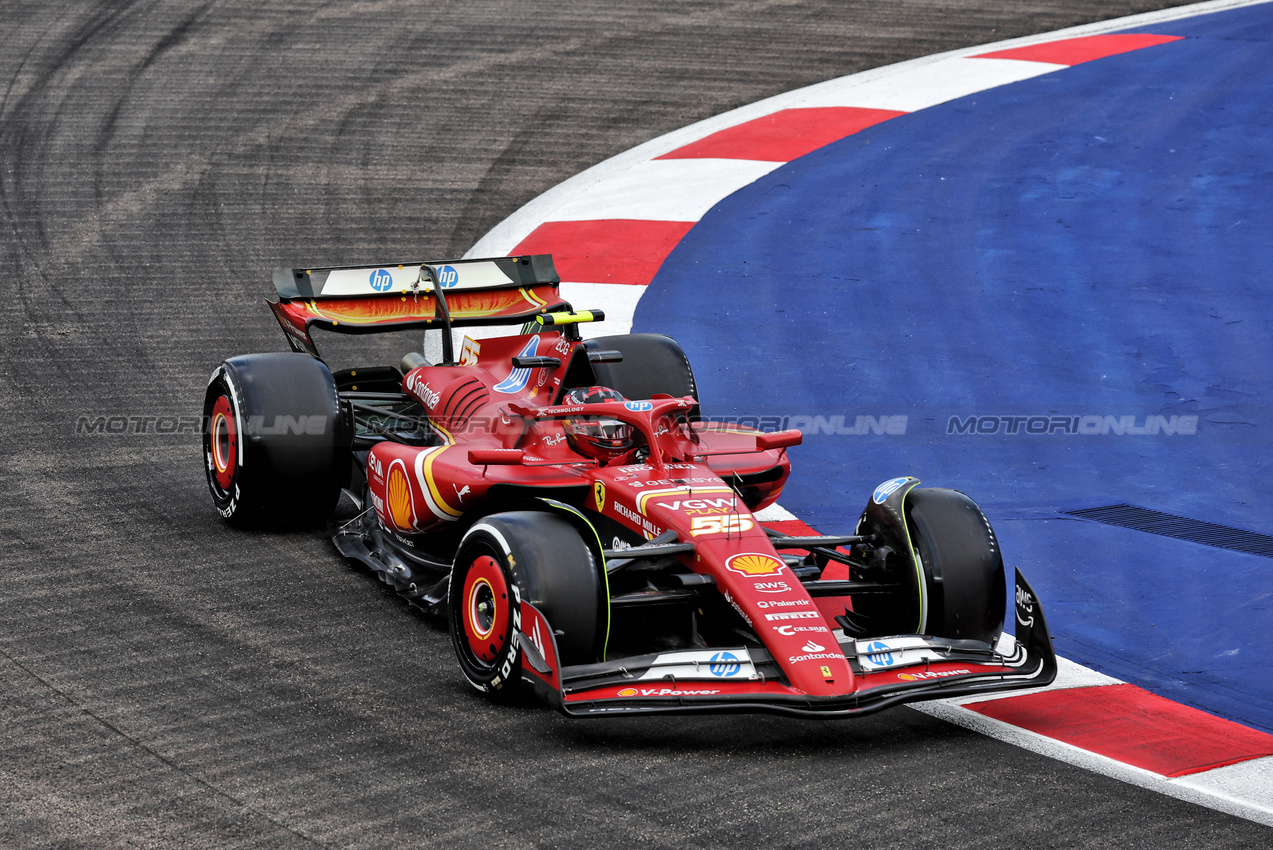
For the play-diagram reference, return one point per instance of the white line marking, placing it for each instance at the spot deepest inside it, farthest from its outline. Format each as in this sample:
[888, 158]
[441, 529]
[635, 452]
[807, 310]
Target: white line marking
[1191, 789]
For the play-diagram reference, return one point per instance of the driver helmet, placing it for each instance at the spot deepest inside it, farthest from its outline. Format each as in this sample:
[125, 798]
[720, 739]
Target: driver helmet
[602, 439]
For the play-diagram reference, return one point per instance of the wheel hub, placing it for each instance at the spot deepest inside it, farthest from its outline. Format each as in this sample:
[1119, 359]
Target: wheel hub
[486, 608]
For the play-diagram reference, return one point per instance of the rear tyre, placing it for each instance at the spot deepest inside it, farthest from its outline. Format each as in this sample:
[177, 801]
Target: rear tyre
[273, 446]
[509, 559]
[962, 563]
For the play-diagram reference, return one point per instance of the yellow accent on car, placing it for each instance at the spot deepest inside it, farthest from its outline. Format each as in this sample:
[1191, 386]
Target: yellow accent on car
[433, 487]
[572, 318]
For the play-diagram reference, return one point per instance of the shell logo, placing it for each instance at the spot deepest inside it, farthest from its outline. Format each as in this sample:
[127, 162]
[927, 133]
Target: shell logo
[755, 564]
[399, 498]
[628, 692]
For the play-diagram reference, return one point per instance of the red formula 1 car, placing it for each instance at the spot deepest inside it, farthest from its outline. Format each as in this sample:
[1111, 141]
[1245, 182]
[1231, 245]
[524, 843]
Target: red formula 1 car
[585, 533]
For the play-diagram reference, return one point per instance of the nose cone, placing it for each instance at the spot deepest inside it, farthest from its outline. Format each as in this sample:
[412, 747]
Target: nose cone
[770, 597]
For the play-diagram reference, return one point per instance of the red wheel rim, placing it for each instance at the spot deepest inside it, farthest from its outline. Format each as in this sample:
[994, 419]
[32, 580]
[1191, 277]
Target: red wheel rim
[486, 608]
[224, 443]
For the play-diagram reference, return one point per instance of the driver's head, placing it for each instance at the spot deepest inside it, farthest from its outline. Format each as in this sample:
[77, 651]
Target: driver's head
[592, 436]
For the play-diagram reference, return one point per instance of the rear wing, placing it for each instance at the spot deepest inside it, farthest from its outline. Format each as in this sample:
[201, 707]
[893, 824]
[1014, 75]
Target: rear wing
[371, 299]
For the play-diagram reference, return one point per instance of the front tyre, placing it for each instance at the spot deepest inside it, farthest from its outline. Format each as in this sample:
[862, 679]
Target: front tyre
[962, 565]
[506, 560]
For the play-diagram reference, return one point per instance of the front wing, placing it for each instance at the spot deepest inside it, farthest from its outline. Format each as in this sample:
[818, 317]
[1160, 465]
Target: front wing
[887, 672]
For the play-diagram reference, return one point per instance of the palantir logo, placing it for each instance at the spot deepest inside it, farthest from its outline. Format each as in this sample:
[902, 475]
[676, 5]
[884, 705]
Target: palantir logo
[448, 277]
[381, 280]
[724, 664]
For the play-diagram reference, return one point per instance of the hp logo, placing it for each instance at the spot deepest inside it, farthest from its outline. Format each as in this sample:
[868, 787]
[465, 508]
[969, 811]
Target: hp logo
[879, 653]
[381, 280]
[724, 664]
[448, 277]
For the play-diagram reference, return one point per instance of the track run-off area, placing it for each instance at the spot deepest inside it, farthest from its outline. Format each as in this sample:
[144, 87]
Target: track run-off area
[1033, 271]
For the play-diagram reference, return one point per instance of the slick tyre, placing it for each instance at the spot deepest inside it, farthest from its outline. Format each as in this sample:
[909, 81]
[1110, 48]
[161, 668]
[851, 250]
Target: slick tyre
[962, 565]
[510, 559]
[273, 446]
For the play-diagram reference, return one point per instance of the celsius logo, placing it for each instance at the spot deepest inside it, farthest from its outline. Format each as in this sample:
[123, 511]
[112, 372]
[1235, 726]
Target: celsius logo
[639, 406]
[791, 630]
[887, 489]
[724, 664]
[448, 277]
[381, 280]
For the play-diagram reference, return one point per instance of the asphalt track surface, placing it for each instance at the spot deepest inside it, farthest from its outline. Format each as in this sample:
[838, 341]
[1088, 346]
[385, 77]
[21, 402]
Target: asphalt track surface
[165, 681]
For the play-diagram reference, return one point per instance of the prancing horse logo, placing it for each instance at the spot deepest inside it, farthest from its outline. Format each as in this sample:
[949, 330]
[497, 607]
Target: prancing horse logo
[599, 493]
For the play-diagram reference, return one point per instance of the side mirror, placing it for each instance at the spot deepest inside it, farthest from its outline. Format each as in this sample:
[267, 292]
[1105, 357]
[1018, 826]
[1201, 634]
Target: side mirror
[779, 440]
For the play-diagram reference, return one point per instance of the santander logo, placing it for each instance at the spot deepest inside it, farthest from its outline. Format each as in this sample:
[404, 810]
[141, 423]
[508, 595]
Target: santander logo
[813, 647]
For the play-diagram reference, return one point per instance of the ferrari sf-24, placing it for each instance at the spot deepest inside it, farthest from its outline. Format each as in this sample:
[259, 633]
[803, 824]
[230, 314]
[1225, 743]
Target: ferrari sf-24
[586, 534]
